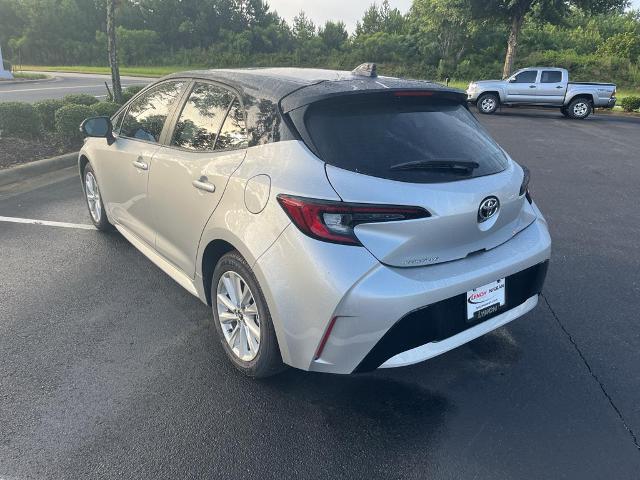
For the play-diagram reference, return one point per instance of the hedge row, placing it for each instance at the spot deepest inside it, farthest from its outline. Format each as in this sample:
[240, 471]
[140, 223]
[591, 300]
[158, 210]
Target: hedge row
[24, 120]
[630, 104]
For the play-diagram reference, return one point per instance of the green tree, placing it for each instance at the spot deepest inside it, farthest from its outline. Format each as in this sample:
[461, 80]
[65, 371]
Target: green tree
[334, 35]
[113, 51]
[303, 28]
[381, 19]
[515, 11]
[444, 28]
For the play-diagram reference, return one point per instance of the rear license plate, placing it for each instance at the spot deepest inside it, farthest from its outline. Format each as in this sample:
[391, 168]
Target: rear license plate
[486, 300]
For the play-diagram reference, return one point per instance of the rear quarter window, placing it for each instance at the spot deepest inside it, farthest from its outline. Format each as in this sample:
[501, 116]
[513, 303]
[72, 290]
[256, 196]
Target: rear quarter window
[373, 135]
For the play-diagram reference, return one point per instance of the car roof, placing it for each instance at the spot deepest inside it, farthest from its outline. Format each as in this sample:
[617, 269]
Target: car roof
[277, 83]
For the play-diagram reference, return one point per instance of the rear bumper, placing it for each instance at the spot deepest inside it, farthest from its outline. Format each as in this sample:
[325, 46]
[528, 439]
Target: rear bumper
[441, 326]
[307, 283]
[611, 103]
[433, 349]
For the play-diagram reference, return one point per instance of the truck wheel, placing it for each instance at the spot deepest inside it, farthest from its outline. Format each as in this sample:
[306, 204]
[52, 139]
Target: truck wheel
[488, 103]
[579, 108]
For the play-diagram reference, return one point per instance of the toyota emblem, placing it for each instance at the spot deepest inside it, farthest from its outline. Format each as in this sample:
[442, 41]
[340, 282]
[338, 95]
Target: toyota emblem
[488, 209]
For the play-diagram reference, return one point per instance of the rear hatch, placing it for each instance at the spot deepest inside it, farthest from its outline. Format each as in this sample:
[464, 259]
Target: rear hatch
[418, 148]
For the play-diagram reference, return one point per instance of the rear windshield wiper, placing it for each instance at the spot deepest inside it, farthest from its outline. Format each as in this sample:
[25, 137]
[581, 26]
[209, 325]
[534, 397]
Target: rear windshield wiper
[451, 165]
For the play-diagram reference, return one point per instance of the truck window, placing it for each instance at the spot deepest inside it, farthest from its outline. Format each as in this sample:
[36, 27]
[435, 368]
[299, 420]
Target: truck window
[549, 76]
[528, 76]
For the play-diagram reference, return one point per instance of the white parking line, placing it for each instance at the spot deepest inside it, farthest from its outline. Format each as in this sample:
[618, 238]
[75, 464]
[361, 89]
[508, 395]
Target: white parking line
[47, 223]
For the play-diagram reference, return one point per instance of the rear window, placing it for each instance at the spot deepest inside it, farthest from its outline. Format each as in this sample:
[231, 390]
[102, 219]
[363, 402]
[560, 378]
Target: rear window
[551, 77]
[403, 138]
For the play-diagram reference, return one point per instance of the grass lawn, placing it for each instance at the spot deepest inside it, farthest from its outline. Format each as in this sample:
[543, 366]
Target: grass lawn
[30, 76]
[134, 71]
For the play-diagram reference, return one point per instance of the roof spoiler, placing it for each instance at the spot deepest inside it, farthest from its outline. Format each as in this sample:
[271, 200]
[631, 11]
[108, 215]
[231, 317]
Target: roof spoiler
[366, 70]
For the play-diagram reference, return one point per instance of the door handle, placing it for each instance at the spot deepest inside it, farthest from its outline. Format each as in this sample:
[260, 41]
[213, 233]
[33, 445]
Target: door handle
[140, 164]
[559, 86]
[204, 185]
[532, 86]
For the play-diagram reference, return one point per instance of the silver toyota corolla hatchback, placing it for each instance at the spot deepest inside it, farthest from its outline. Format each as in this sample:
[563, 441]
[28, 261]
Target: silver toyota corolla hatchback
[334, 221]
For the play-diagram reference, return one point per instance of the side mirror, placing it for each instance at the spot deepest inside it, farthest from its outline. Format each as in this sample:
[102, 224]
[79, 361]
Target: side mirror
[99, 127]
[512, 80]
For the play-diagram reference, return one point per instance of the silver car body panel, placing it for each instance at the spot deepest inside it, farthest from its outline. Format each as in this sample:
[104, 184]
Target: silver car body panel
[368, 297]
[123, 183]
[452, 231]
[180, 207]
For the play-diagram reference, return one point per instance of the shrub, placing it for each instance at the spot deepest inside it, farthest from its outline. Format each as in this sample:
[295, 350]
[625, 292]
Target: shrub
[19, 119]
[105, 109]
[68, 120]
[46, 110]
[129, 92]
[80, 99]
[630, 103]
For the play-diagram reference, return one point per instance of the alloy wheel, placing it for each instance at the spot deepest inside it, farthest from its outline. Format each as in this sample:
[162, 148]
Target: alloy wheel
[580, 109]
[92, 193]
[488, 104]
[238, 316]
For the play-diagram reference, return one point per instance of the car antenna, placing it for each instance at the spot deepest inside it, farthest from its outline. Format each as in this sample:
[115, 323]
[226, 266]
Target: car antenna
[366, 70]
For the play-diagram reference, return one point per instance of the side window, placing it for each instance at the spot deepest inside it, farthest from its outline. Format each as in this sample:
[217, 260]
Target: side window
[234, 131]
[528, 76]
[201, 118]
[116, 122]
[549, 76]
[146, 115]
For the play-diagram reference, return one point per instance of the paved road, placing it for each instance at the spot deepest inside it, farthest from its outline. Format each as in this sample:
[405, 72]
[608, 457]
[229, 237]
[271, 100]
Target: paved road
[63, 84]
[110, 370]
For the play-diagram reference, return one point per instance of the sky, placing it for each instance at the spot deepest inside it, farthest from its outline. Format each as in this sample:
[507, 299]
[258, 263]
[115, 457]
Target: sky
[349, 11]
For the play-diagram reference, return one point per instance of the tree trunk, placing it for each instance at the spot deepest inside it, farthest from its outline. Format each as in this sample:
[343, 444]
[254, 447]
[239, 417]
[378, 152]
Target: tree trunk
[113, 51]
[512, 44]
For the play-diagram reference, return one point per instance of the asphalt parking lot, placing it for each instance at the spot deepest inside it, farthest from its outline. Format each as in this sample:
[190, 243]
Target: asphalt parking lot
[111, 370]
[61, 84]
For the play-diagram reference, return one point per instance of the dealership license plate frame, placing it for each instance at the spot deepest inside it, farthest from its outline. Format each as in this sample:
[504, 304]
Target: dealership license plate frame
[486, 300]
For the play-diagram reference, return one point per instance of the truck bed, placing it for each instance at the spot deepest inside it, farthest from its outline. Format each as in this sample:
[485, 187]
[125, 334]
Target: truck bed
[592, 83]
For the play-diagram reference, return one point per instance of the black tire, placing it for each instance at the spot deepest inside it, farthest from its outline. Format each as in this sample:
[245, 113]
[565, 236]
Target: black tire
[488, 103]
[579, 108]
[564, 111]
[267, 361]
[100, 220]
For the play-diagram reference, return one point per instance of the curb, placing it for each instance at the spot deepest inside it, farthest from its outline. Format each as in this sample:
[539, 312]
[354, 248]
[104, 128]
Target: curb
[23, 82]
[38, 167]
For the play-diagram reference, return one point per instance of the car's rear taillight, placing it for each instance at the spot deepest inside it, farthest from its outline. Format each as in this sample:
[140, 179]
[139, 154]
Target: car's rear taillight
[332, 221]
[524, 187]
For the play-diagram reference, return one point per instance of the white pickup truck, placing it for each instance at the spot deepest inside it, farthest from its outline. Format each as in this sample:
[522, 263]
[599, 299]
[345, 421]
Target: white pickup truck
[543, 87]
